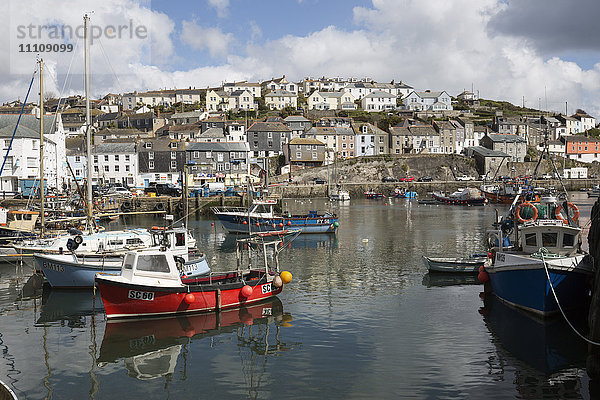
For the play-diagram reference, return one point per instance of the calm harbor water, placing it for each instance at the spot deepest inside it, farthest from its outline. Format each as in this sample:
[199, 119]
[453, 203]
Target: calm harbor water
[361, 319]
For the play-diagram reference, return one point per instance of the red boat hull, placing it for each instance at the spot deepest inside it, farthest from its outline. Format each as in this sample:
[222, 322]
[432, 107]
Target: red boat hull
[123, 300]
[498, 198]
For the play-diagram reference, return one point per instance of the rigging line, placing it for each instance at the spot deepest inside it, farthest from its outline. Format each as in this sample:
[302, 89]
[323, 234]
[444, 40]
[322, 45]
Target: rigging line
[18, 120]
[560, 307]
[110, 65]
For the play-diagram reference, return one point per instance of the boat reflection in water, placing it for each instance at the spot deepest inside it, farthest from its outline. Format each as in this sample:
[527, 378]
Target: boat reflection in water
[449, 279]
[69, 305]
[150, 347]
[551, 357]
[312, 241]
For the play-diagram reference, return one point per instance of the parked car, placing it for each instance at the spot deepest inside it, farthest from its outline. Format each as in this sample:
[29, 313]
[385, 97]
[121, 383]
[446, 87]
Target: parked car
[319, 181]
[163, 189]
[389, 179]
[465, 178]
[406, 178]
[119, 191]
[425, 179]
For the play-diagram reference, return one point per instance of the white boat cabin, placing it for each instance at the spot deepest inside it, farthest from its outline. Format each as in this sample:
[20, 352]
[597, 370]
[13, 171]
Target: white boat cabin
[554, 235]
[150, 267]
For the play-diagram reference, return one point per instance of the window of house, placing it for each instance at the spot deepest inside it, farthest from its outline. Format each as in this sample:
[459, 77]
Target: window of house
[208, 154]
[227, 166]
[116, 157]
[151, 155]
[127, 168]
[127, 157]
[148, 145]
[96, 169]
[173, 164]
[106, 158]
[116, 168]
[96, 159]
[77, 158]
[151, 164]
[314, 155]
[298, 154]
[106, 168]
[173, 155]
[196, 154]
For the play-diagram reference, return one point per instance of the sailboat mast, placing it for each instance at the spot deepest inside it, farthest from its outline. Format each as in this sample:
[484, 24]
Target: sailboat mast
[42, 196]
[88, 123]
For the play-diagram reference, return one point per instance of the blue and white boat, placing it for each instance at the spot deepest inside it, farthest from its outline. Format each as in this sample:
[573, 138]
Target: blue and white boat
[78, 271]
[543, 261]
[262, 218]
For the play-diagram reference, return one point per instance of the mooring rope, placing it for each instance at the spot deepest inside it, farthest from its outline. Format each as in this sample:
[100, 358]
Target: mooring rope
[560, 307]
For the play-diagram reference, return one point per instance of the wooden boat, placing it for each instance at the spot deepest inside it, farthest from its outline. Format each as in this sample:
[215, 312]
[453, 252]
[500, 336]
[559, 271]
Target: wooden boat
[461, 197]
[261, 217]
[455, 265]
[79, 270]
[150, 283]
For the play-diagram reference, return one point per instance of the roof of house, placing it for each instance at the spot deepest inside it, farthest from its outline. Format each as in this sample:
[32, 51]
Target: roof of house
[108, 116]
[506, 138]
[444, 124]
[422, 130]
[307, 141]
[161, 144]
[106, 147]
[485, 152]
[580, 138]
[329, 130]
[29, 126]
[281, 93]
[188, 114]
[216, 133]
[217, 146]
[379, 93]
[268, 127]
[296, 118]
[373, 130]
[428, 94]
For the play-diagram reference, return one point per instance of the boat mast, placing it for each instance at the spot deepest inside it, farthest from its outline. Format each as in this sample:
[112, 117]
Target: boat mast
[88, 123]
[42, 197]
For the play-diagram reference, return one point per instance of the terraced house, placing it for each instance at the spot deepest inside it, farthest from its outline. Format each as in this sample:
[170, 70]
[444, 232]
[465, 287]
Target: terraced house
[266, 139]
[160, 160]
[226, 161]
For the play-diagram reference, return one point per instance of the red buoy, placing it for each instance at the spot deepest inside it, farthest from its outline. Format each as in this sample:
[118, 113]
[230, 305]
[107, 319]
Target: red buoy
[257, 224]
[212, 224]
[189, 298]
[245, 222]
[483, 277]
[480, 268]
[247, 291]
[289, 223]
[281, 224]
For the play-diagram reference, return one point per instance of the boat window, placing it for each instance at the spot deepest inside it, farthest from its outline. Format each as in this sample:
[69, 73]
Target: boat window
[27, 217]
[530, 239]
[134, 241]
[115, 242]
[549, 239]
[568, 240]
[152, 263]
[128, 261]
[180, 239]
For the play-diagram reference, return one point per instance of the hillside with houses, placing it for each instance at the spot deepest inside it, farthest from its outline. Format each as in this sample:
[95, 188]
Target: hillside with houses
[228, 133]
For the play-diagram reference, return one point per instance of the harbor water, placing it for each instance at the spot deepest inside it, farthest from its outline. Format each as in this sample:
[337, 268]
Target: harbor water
[362, 318]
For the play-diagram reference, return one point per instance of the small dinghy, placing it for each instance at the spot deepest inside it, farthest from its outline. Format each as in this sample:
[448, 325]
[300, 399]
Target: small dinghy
[454, 265]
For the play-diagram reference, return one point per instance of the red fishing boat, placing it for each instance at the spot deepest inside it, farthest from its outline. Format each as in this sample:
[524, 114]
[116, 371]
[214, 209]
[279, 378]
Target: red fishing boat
[150, 282]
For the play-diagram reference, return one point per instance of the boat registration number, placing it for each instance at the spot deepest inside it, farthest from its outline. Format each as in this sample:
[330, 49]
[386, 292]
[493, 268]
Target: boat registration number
[139, 295]
[266, 288]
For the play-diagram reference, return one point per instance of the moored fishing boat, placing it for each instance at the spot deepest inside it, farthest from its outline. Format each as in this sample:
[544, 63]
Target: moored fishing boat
[371, 194]
[261, 217]
[461, 197]
[540, 264]
[404, 194]
[150, 284]
[78, 270]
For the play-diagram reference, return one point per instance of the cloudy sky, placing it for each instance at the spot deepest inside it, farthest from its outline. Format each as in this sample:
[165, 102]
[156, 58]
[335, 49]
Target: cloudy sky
[542, 52]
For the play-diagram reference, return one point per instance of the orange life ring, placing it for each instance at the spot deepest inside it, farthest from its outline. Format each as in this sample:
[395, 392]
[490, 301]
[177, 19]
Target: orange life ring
[523, 205]
[572, 207]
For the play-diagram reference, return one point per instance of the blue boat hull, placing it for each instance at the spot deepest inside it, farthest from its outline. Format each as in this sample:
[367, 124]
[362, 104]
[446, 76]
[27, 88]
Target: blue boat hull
[529, 288]
[62, 273]
[239, 224]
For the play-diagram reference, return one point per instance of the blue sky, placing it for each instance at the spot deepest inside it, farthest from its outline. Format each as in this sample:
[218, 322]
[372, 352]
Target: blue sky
[272, 18]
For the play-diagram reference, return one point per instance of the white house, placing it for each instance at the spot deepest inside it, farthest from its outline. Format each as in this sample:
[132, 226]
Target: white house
[428, 101]
[23, 161]
[223, 101]
[115, 163]
[378, 101]
[280, 99]
[279, 84]
[251, 87]
[331, 101]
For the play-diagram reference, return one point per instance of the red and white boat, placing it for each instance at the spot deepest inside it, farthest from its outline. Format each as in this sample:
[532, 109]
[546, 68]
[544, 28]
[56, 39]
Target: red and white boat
[150, 282]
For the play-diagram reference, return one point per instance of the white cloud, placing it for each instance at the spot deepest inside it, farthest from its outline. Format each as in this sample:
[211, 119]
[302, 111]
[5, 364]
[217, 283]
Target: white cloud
[206, 38]
[220, 6]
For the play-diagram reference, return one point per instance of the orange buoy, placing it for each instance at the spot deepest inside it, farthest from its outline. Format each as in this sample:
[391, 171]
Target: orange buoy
[281, 224]
[247, 291]
[189, 298]
[570, 205]
[483, 277]
[522, 206]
